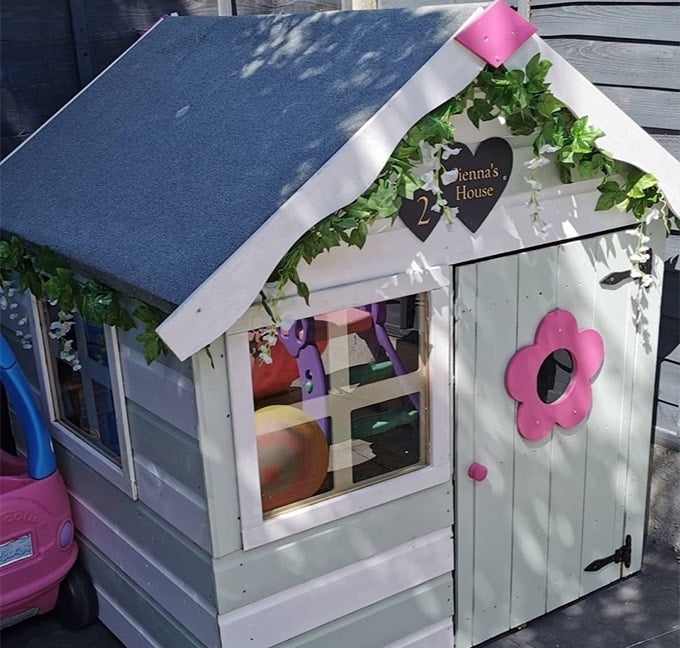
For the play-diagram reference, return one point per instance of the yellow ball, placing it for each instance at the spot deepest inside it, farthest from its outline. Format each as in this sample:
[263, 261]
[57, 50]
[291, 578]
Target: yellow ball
[292, 455]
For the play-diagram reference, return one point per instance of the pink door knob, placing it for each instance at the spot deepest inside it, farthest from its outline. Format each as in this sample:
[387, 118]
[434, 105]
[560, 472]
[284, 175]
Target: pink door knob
[478, 472]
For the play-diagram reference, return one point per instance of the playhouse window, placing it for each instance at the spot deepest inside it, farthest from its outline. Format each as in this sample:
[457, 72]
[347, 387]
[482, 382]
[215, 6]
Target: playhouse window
[83, 400]
[340, 401]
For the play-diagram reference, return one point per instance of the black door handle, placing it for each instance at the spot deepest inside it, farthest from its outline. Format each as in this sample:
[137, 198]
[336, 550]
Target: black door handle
[615, 278]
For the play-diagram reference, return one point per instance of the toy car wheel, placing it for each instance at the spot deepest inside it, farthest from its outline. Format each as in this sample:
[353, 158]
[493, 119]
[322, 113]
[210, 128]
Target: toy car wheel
[77, 602]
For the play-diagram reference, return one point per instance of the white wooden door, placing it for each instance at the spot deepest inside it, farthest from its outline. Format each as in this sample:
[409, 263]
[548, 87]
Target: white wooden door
[550, 507]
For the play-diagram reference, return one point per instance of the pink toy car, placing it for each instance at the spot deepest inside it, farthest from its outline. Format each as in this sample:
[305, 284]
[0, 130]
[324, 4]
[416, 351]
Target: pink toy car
[38, 569]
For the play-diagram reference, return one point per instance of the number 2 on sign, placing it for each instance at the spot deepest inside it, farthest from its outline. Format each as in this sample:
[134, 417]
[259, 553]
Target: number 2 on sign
[426, 203]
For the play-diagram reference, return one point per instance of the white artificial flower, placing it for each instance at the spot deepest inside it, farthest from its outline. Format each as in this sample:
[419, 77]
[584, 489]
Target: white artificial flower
[653, 214]
[430, 183]
[548, 148]
[447, 177]
[428, 155]
[4, 304]
[286, 322]
[533, 183]
[537, 162]
[13, 316]
[447, 151]
[59, 329]
[639, 257]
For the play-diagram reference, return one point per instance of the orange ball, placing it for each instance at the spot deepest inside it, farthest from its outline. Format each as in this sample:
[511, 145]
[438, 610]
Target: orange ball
[292, 455]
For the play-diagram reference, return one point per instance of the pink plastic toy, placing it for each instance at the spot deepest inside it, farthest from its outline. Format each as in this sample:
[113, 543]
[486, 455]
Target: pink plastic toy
[37, 547]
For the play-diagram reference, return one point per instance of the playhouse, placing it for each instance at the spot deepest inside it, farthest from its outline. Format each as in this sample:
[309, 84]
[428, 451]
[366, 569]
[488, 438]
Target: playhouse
[438, 428]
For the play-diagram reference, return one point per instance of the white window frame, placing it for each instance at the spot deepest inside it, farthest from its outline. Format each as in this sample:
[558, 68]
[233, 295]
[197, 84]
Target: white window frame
[257, 530]
[122, 476]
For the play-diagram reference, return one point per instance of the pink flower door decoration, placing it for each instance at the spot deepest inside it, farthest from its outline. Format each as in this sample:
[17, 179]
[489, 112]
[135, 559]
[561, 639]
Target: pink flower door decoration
[557, 330]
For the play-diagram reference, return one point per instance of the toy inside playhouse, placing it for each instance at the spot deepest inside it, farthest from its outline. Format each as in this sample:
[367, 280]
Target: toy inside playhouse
[340, 400]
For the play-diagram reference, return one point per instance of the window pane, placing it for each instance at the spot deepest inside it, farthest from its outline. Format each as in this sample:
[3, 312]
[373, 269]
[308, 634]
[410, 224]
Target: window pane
[80, 373]
[340, 400]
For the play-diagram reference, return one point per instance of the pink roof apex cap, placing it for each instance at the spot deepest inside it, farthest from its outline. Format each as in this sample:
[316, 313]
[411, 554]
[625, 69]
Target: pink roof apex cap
[496, 33]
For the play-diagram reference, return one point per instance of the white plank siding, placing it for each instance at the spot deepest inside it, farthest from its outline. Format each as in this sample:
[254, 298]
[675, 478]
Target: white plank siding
[537, 294]
[279, 566]
[569, 449]
[325, 599]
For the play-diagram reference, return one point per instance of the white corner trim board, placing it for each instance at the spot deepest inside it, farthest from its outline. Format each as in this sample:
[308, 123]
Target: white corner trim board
[276, 618]
[217, 303]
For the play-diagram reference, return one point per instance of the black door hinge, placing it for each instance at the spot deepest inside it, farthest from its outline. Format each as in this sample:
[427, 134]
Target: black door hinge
[621, 555]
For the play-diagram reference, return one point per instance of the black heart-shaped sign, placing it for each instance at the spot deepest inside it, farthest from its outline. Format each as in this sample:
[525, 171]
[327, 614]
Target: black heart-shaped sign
[418, 215]
[481, 180]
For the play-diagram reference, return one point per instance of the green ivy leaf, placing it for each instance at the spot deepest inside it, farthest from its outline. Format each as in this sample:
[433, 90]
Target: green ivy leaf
[537, 70]
[639, 189]
[12, 254]
[63, 288]
[152, 346]
[583, 136]
[30, 280]
[47, 261]
[548, 104]
[358, 236]
[383, 200]
[406, 186]
[611, 195]
[521, 123]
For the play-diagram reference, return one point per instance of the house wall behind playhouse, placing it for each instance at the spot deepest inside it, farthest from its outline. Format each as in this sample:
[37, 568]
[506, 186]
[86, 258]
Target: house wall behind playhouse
[668, 400]
[150, 557]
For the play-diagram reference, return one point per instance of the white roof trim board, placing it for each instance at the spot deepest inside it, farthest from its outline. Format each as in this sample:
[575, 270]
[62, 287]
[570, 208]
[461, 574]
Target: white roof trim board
[220, 300]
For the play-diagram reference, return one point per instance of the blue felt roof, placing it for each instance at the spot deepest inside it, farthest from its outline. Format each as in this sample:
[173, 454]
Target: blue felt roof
[169, 161]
